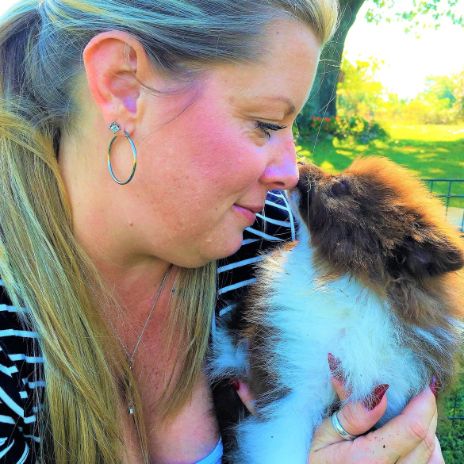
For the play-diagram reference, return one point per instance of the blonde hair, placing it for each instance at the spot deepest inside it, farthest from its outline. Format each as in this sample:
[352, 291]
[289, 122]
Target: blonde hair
[41, 263]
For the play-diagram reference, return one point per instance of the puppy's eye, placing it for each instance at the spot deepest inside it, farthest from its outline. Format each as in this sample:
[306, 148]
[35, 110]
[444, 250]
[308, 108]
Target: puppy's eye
[340, 188]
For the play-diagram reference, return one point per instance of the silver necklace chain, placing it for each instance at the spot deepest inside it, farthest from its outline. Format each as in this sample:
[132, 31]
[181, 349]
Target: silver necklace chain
[131, 356]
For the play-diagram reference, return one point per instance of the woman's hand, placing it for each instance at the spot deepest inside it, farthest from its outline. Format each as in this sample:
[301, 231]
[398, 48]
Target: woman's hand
[407, 439]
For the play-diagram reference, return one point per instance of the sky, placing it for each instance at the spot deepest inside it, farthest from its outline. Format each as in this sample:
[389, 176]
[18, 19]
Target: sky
[408, 60]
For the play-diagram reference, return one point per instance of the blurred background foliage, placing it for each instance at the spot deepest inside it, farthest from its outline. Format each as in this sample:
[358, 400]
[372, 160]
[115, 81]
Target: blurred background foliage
[359, 93]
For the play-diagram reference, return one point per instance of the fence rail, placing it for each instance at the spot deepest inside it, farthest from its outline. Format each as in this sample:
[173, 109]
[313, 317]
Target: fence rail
[454, 202]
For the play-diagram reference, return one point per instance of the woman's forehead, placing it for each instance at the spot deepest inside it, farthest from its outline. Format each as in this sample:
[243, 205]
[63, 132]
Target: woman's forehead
[283, 74]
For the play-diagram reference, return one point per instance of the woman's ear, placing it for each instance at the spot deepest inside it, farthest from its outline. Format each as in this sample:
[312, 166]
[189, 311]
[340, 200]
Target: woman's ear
[116, 64]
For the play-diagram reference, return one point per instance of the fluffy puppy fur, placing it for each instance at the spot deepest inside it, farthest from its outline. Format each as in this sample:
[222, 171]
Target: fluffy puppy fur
[374, 279]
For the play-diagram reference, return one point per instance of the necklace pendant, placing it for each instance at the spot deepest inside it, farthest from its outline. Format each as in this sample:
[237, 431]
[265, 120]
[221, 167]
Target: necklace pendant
[131, 407]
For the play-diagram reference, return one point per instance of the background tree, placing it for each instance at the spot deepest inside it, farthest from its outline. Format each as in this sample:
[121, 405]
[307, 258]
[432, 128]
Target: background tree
[359, 93]
[414, 13]
[442, 101]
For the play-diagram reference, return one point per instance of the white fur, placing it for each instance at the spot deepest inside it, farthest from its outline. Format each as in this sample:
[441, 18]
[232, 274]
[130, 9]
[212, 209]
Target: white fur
[226, 360]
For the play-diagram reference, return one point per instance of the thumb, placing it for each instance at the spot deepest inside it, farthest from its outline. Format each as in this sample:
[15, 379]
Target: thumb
[356, 418]
[245, 394]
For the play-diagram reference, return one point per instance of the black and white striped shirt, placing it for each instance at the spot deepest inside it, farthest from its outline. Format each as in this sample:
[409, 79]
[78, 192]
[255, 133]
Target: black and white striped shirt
[272, 227]
[21, 385]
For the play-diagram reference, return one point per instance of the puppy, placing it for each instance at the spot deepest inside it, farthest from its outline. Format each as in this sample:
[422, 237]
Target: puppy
[374, 279]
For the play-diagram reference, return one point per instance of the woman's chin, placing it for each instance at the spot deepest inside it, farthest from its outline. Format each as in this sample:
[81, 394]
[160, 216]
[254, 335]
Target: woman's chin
[227, 249]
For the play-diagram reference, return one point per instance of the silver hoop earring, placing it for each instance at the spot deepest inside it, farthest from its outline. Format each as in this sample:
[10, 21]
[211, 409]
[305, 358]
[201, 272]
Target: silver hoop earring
[115, 128]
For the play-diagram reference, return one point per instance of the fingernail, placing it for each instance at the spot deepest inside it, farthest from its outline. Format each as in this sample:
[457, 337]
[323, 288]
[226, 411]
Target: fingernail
[235, 384]
[334, 366]
[375, 397]
[435, 386]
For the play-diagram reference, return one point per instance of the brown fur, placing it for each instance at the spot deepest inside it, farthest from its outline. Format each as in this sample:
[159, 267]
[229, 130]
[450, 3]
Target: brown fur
[263, 381]
[377, 222]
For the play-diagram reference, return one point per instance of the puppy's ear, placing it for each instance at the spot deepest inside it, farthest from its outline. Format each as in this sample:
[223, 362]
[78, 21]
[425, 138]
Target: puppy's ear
[426, 256]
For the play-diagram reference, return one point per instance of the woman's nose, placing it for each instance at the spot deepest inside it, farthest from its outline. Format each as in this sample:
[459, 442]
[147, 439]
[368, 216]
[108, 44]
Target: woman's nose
[282, 172]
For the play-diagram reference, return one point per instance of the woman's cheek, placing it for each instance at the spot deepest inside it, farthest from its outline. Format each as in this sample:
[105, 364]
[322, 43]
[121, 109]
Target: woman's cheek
[231, 157]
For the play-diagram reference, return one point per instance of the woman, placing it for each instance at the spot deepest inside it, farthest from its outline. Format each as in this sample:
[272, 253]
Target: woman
[193, 102]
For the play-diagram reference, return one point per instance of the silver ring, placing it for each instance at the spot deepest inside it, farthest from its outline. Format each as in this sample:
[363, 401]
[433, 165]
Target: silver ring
[339, 427]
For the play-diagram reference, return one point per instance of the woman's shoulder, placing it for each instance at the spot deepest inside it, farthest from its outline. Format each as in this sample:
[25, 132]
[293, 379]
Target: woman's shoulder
[20, 384]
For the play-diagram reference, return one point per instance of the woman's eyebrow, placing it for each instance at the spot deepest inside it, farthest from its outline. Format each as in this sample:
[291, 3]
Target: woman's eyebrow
[291, 108]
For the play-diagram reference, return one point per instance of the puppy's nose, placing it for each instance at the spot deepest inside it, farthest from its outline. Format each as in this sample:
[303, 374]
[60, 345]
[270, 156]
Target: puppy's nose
[304, 184]
[310, 175]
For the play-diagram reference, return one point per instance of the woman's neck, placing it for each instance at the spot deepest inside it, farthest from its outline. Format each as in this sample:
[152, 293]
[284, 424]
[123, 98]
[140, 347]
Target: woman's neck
[142, 298]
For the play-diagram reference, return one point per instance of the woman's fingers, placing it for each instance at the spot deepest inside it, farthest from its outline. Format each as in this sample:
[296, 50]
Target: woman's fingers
[400, 440]
[406, 439]
[428, 451]
[424, 451]
[421, 426]
[355, 418]
[437, 456]
[409, 436]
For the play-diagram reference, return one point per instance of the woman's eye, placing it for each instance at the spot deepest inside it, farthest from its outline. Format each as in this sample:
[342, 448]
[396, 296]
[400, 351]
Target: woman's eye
[267, 127]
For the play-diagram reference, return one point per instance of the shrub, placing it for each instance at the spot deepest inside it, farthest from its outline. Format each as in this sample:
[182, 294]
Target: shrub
[355, 127]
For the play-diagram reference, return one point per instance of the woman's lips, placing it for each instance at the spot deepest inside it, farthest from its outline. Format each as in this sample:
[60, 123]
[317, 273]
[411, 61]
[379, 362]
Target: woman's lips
[248, 212]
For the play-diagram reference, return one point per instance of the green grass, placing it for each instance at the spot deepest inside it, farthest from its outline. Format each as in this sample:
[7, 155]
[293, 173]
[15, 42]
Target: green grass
[451, 432]
[432, 152]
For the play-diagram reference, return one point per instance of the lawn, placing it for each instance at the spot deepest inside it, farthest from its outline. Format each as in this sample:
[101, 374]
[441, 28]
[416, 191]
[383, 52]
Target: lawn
[432, 152]
[451, 431]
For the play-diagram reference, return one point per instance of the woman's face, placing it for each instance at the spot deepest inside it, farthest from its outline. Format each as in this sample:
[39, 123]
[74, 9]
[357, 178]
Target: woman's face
[208, 155]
